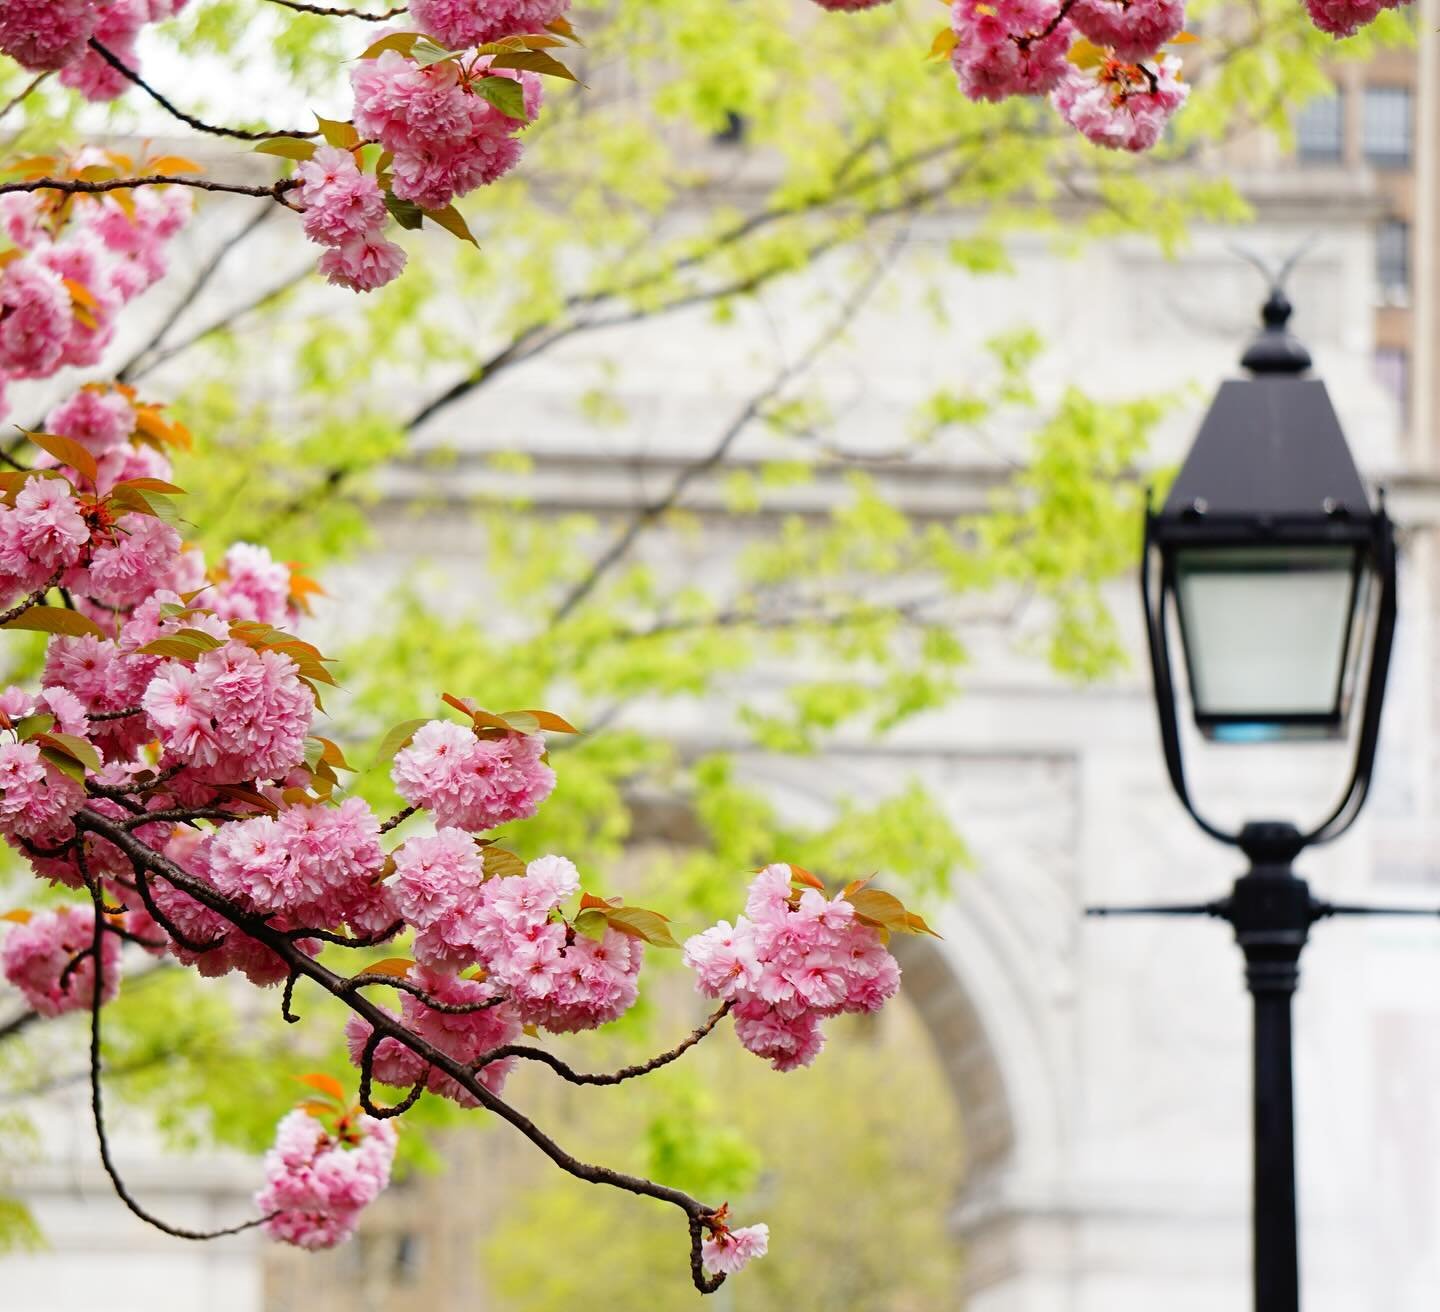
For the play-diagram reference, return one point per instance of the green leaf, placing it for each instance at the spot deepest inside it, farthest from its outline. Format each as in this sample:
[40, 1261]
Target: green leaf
[65, 763]
[72, 746]
[536, 61]
[639, 923]
[405, 212]
[397, 739]
[56, 619]
[505, 93]
[453, 222]
[338, 134]
[404, 42]
[287, 148]
[183, 646]
[592, 923]
[30, 725]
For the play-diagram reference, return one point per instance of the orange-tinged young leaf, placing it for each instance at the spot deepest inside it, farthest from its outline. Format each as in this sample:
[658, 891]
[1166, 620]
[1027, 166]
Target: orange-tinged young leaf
[1085, 54]
[588, 900]
[915, 924]
[67, 451]
[547, 720]
[20, 916]
[1184, 39]
[398, 967]
[153, 485]
[81, 294]
[944, 42]
[530, 1031]
[802, 876]
[244, 793]
[287, 148]
[316, 1108]
[564, 27]
[461, 704]
[322, 1083]
[332, 755]
[174, 164]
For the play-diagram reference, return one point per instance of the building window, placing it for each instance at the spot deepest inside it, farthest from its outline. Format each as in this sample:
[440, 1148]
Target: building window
[1320, 130]
[1387, 126]
[1392, 261]
[1392, 371]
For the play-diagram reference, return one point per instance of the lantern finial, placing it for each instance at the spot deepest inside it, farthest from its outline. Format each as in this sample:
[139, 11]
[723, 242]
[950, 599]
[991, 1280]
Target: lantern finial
[1275, 350]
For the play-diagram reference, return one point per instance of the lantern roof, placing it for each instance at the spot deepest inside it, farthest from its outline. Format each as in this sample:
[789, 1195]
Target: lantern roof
[1271, 446]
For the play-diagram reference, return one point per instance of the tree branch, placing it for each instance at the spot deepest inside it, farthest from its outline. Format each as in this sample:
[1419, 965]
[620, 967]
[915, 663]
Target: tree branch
[342, 13]
[572, 1076]
[78, 187]
[169, 106]
[146, 859]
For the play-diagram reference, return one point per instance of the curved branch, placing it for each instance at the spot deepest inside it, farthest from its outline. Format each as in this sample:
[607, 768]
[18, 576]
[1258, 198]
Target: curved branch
[696, 1212]
[572, 1076]
[97, 1001]
[364, 981]
[34, 599]
[342, 13]
[79, 187]
[239, 134]
[367, 1076]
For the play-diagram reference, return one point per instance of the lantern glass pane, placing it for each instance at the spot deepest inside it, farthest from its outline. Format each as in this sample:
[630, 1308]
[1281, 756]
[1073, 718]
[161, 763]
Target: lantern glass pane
[1267, 630]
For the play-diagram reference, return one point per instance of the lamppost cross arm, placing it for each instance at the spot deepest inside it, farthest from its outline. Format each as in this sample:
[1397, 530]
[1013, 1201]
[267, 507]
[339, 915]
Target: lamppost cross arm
[1219, 909]
[1326, 909]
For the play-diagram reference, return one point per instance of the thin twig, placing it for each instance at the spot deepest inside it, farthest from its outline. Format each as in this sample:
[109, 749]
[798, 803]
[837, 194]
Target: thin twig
[366, 981]
[398, 818]
[34, 599]
[24, 93]
[367, 1076]
[342, 13]
[572, 1076]
[79, 187]
[169, 106]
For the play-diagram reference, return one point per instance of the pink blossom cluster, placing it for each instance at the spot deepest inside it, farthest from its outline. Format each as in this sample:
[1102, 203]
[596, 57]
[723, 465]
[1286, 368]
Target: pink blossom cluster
[1119, 98]
[790, 962]
[315, 864]
[39, 959]
[236, 714]
[472, 782]
[1009, 47]
[48, 35]
[726, 1251]
[466, 1035]
[317, 1183]
[1341, 18]
[1122, 106]
[458, 24]
[445, 138]
[512, 929]
[345, 212]
[250, 584]
[59, 297]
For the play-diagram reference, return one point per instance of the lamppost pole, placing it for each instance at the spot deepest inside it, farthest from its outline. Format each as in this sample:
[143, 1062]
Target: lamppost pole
[1283, 579]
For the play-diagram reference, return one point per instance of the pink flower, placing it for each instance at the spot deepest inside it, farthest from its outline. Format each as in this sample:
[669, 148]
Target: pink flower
[36, 799]
[1008, 48]
[460, 23]
[316, 1184]
[239, 714]
[1341, 18]
[723, 959]
[36, 956]
[470, 782]
[732, 1250]
[339, 201]
[42, 35]
[139, 560]
[363, 263]
[95, 418]
[1121, 106]
[1133, 29]
[35, 319]
[252, 586]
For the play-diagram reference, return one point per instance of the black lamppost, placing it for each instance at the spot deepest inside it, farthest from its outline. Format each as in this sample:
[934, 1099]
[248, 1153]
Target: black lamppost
[1282, 576]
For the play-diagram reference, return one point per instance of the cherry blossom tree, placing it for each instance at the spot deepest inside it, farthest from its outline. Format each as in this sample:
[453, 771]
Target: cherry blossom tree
[166, 769]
